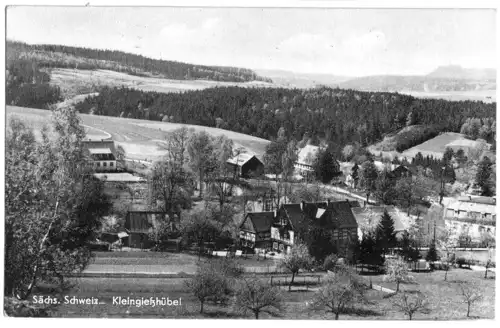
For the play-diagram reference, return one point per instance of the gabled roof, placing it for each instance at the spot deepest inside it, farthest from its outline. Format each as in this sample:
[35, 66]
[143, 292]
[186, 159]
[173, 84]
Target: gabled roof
[337, 214]
[93, 151]
[258, 221]
[340, 214]
[143, 221]
[294, 214]
[478, 200]
[374, 213]
[99, 144]
[241, 159]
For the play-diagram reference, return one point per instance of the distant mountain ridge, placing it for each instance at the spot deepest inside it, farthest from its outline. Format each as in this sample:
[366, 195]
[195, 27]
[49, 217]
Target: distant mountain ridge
[302, 80]
[458, 72]
[442, 79]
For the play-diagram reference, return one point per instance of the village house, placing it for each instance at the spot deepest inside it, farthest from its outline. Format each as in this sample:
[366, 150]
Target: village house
[280, 230]
[255, 230]
[402, 171]
[245, 165]
[305, 160]
[475, 215]
[140, 224]
[102, 154]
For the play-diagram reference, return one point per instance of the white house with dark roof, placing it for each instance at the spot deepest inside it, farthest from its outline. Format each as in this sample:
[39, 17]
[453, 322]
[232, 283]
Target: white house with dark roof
[305, 159]
[101, 154]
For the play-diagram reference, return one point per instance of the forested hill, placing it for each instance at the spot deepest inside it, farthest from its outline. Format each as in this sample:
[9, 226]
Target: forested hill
[337, 116]
[84, 58]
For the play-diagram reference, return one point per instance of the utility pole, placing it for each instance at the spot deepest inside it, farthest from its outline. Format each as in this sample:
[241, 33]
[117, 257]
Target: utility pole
[441, 193]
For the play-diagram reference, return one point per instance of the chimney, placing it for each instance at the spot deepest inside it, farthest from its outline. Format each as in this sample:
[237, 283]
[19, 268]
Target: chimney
[275, 213]
[302, 205]
[328, 202]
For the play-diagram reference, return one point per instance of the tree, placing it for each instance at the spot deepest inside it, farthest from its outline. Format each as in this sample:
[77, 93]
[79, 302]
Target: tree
[120, 153]
[432, 253]
[257, 296]
[354, 174]
[279, 160]
[297, 259]
[386, 233]
[209, 284]
[410, 305]
[448, 155]
[53, 206]
[367, 178]
[348, 152]
[397, 271]
[446, 242]
[200, 149]
[409, 251]
[470, 293]
[221, 177]
[385, 191]
[326, 166]
[170, 186]
[369, 251]
[339, 291]
[483, 175]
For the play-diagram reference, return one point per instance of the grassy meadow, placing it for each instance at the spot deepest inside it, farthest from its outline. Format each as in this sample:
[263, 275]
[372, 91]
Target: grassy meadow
[142, 140]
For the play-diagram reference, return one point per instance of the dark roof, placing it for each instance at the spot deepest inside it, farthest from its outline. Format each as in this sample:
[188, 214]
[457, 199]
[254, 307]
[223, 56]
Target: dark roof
[258, 221]
[340, 215]
[294, 214]
[143, 221]
[334, 214]
[99, 144]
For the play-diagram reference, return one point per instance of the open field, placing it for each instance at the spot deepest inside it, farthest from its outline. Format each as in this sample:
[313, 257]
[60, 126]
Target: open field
[444, 301]
[434, 147]
[481, 95]
[437, 145]
[141, 139]
[76, 81]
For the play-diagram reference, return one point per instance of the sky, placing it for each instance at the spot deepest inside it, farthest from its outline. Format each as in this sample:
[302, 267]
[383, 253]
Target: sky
[347, 42]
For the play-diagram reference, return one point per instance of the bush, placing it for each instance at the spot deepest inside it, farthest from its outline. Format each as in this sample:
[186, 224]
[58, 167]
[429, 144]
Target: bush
[15, 308]
[461, 262]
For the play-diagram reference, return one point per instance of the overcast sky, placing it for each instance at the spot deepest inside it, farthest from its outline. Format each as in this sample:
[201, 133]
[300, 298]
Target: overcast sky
[352, 42]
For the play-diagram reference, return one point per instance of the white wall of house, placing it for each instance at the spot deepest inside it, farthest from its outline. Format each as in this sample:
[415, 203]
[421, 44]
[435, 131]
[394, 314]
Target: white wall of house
[475, 230]
[105, 165]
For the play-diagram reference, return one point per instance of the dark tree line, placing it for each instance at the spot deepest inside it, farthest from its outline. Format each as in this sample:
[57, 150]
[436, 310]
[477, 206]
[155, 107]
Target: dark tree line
[27, 86]
[337, 116]
[57, 56]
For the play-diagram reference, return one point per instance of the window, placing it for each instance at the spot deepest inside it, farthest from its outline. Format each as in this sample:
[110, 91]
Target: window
[111, 164]
[98, 164]
[104, 164]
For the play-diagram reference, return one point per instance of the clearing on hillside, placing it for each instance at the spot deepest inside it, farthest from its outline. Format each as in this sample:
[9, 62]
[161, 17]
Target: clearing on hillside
[77, 81]
[142, 140]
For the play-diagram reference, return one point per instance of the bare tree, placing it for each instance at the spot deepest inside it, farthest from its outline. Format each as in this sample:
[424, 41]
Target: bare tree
[470, 294]
[200, 149]
[339, 291]
[410, 305]
[446, 242]
[209, 284]
[258, 296]
[397, 271]
[298, 258]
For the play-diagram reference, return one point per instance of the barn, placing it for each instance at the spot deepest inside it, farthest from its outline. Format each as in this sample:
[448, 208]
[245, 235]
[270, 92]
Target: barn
[245, 165]
[139, 224]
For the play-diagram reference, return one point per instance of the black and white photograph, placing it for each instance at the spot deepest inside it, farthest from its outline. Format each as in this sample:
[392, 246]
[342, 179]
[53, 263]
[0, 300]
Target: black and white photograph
[298, 162]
